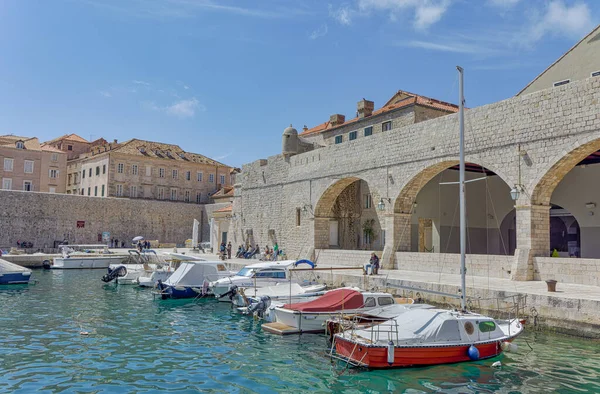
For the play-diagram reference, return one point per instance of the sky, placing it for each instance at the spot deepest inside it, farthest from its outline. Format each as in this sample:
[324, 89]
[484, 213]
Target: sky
[224, 78]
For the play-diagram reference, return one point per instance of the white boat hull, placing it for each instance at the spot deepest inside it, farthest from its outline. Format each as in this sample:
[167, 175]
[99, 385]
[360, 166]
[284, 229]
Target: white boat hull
[86, 262]
[306, 321]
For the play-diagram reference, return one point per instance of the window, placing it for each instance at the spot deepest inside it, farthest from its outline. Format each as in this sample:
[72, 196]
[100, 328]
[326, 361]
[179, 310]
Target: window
[368, 131]
[368, 201]
[385, 126]
[211, 178]
[95, 191]
[75, 178]
[187, 196]
[560, 83]
[385, 301]
[97, 170]
[89, 191]
[198, 198]
[173, 194]
[175, 173]
[352, 135]
[90, 173]
[104, 168]
[53, 173]
[148, 171]
[133, 191]
[595, 73]
[8, 164]
[134, 169]
[370, 302]
[188, 176]
[367, 237]
[6, 183]
[298, 215]
[27, 186]
[28, 167]
[222, 179]
[487, 326]
[82, 191]
[120, 168]
[161, 172]
[199, 175]
[83, 174]
[20, 145]
[54, 157]
[102, 191]
[69, 147]
[119, 190]
[161, 193]
[339, 139]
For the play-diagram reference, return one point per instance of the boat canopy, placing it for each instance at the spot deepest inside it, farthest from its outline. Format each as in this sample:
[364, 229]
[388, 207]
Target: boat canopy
[334, 300]
[304, 261]
[193, 274]
[8, 267]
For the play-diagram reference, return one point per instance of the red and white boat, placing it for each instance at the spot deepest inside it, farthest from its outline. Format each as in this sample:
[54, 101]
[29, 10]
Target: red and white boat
[427, 337]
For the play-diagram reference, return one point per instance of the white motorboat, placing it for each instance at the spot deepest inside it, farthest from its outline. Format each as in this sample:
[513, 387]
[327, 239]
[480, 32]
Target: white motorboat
[164, 272]
[283, 291]
[13, 274]
[84, 256]
[255, 276]
[311, 316]
[192, 279]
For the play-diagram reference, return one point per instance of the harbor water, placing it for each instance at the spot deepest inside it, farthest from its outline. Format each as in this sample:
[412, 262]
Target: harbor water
[138, 344]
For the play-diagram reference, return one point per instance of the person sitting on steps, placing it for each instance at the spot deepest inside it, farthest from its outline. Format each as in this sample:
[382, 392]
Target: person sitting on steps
[374, 261]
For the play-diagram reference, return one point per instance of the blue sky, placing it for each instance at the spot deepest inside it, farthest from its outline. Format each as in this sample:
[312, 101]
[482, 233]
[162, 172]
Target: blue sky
[224, 78]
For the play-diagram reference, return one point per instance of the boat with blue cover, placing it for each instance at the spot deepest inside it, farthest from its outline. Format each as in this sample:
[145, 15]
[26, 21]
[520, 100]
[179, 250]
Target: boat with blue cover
[13, 274]
[191, 279]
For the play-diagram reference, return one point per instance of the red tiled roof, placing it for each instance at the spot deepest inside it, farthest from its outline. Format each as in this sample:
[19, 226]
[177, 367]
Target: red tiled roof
[228, 208]
[391, 105]
[70, 137]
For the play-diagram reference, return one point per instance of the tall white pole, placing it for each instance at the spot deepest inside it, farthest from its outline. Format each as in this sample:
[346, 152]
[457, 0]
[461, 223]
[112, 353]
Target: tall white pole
[463, 212]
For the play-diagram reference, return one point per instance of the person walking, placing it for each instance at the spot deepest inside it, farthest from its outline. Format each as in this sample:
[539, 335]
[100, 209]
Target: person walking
[229, 250]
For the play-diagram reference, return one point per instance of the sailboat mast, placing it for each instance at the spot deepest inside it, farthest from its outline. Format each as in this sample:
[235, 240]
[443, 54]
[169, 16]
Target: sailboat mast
[463, 212]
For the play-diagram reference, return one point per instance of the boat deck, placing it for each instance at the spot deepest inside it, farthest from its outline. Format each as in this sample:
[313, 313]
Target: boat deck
[280, 328]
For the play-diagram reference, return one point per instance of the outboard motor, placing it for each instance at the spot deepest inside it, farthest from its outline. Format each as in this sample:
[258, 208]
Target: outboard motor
[231, 293]
[260, 306]
[162, 289]
[47, 264]
[115, 273]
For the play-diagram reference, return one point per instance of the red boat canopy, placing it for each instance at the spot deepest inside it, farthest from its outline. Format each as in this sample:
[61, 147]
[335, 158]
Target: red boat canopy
[334, 300]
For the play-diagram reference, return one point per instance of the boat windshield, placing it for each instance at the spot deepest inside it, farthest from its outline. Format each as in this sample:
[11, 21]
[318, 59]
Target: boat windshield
[247, 272]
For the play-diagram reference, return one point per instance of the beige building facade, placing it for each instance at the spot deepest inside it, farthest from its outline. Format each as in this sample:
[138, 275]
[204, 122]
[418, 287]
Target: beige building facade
[148, 170]
[29, 166]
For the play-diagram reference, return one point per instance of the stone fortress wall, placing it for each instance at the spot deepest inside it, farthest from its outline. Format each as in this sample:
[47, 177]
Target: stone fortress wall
[532, 140]
[43, 218]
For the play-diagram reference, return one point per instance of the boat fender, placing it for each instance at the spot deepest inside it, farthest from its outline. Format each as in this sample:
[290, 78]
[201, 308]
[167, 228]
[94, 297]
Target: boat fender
[46, 264]
[497, 364]
[390, 352]
[473, 353]
[509, 347]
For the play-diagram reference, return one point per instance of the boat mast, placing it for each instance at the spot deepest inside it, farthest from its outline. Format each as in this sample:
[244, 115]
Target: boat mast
[461, 184]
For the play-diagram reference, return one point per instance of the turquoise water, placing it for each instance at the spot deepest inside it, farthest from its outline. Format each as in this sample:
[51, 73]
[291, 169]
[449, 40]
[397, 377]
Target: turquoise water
[138, 344]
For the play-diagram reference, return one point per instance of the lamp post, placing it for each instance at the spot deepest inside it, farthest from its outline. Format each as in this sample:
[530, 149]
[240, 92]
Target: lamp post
[381, 205]
[515, 192]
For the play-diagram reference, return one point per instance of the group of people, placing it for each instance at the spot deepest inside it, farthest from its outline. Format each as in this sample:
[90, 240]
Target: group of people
[141, 245]
[114, 243]
[248, 251]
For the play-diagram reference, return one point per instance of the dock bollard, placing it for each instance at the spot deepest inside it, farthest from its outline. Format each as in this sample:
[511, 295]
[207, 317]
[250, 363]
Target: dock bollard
[551, 285]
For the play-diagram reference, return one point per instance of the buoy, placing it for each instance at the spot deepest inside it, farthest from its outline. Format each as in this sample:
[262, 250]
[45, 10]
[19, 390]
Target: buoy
[390, 353]
[84, 333]
[473, 353]
[497, 364]
[509, 347]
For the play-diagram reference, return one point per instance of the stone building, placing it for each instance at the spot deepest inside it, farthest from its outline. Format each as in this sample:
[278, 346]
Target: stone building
[146, 169]
[29, 166]
[74, 145]
[533, 159]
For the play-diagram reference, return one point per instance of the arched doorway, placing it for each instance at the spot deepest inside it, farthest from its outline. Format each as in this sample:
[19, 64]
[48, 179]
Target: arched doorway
[346, 217]
[427, 210]
[570, 188]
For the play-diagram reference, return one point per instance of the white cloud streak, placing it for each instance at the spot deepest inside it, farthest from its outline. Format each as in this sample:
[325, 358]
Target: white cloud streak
[560, 19]
[182, 109]
[503, 3]
[319, 32]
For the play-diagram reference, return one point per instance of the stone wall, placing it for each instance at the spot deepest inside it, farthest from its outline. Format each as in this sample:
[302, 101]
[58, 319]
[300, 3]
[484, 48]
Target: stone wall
[42, 218]
[492, 266]
[567, 270]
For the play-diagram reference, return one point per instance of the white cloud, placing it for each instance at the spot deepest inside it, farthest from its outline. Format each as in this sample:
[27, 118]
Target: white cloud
[138, 82]
[185, 108]
[560, 19]
[318, 33]
[106, 94]
[455, 47]
[182, 109]
[503, 3]
[342, 15]
[424, 12]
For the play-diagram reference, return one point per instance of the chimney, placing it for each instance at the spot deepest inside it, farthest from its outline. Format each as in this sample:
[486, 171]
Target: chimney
[304, 129]
[364, 108]
[337, 119]
[114, 141]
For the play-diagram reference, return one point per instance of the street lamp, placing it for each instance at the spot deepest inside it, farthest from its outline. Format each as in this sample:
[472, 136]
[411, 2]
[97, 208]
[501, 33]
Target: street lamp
[515, 192]
[381, 205]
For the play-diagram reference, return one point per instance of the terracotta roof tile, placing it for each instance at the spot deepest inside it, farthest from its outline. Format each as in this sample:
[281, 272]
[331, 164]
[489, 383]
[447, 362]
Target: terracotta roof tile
[70, 137]
[228, 208]
[391, 105]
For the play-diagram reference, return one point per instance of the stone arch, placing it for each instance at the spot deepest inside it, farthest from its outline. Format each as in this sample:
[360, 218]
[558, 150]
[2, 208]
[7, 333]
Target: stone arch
[340, 212]
[544, 187]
